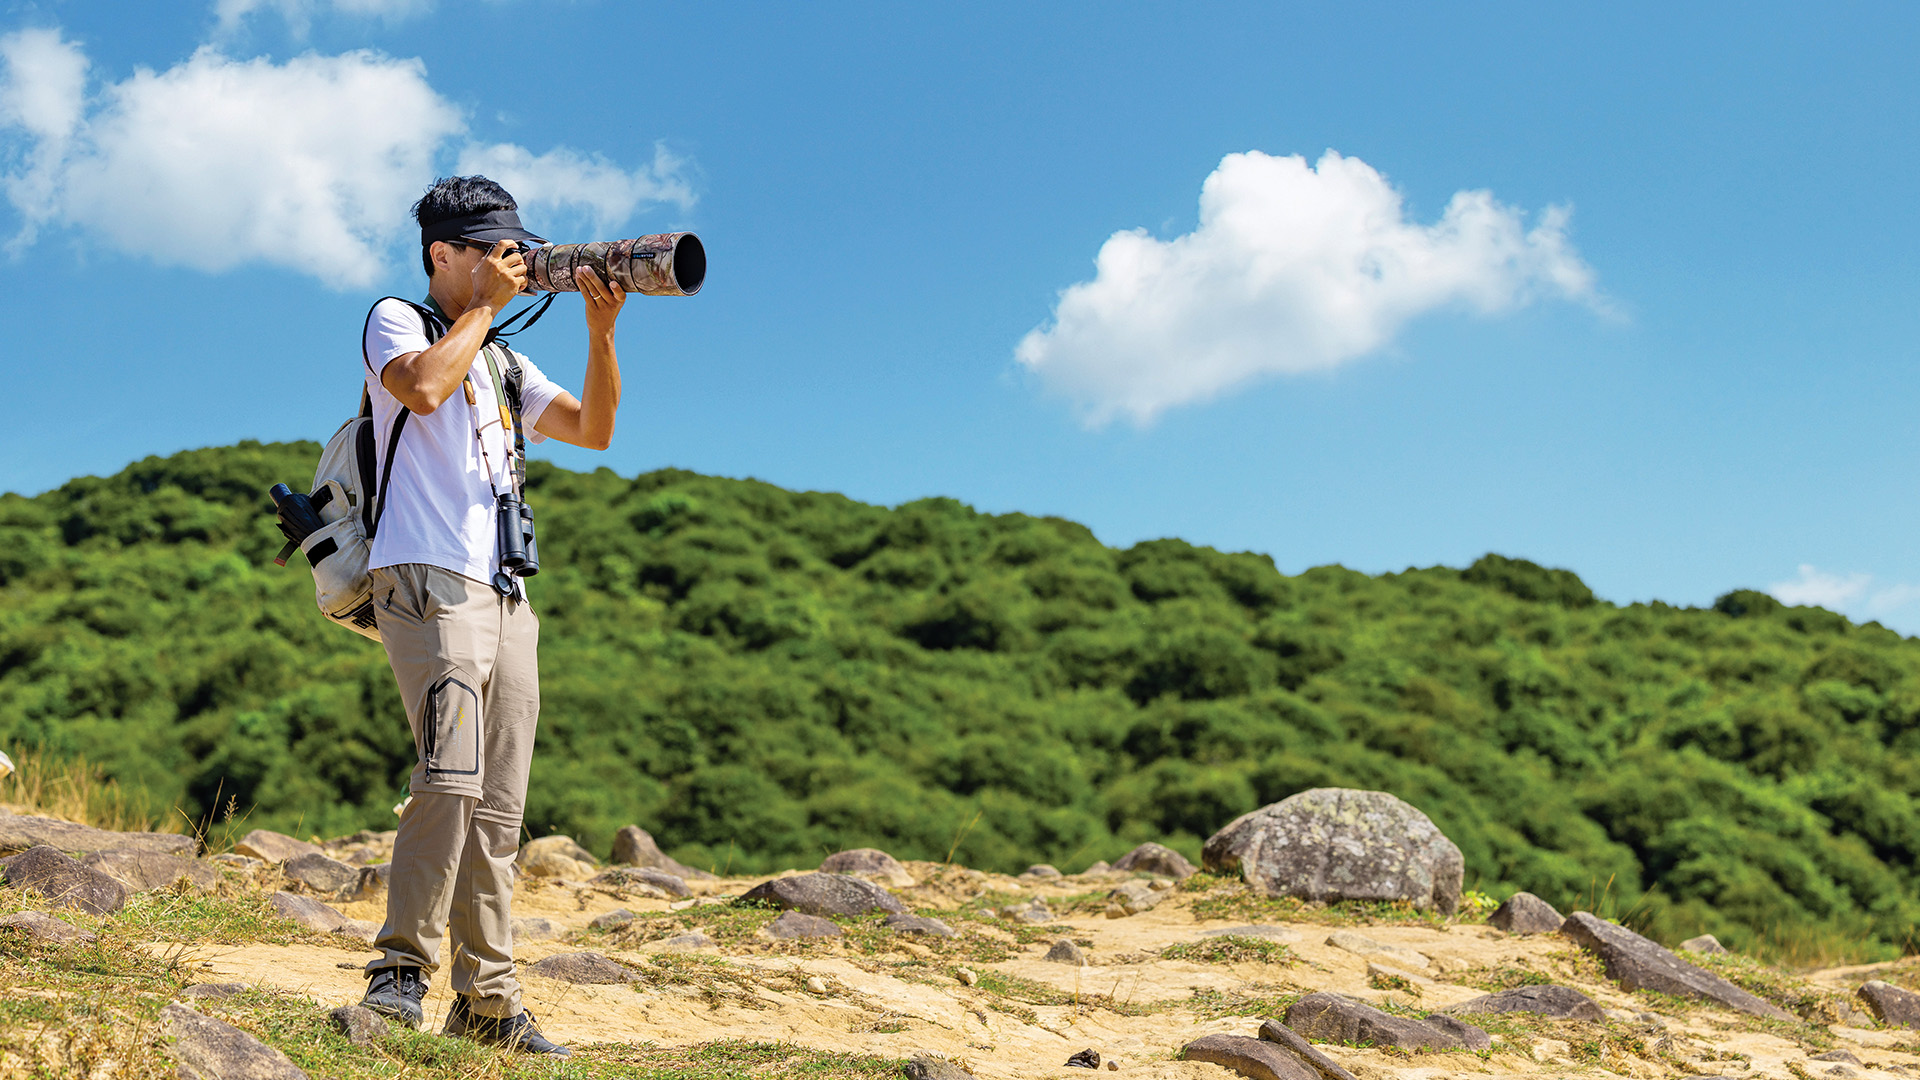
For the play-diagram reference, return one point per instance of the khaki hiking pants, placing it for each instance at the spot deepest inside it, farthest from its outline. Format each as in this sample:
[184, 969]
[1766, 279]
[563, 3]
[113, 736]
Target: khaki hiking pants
[466, 661]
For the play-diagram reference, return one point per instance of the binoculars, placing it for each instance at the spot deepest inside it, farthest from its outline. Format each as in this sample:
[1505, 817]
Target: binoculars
[519, 551]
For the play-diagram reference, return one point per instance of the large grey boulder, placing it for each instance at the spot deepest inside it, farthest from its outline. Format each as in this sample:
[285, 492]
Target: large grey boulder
[869, 863]
[825, 894]
[1554, 1002]
[644, 880]
[18, 832]
[1341, 844]
[208, 1049]
[144, 871]
[1639, 964]
[1274, 1031]
[1255, 1058]
[634, 846]
[587, 968]
[1332, 1018]
[272, 847]
[64, 881]
[44, 929]
[1891, 1005]
[1525, 913]
[1151, 858]
[307, 911]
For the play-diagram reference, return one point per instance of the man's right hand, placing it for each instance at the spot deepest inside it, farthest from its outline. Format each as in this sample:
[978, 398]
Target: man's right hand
[499, 276]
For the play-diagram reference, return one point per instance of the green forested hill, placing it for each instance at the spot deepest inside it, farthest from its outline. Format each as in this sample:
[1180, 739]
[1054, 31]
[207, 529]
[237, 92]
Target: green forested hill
[762, 676]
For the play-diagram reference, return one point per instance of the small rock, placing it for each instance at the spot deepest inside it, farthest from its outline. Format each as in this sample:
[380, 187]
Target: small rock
[1036, 911]
[797, 924]
[966, 977]
[816, 985]
[1156, 859]
[1113, 1064]
[557, 844]
[1844, 1056]
[537, 930]
[1362, 945]
[1525, 913]
[240, 862]
[18, 832]
[307, 911]
[588, 968]
[359, 930]
[44, 929]
[316, 873]
[1639, 964]
[686, 942]
[1132, 898]
[1085, 1059]
[208, 1049]
[933, 1068]
[213, 991]
[273, 847]
[1705, 943]
[1040, 870]
[1066, 952]
[869, 863]
[1332, 1018]
[1274, 1031]
[1891, 1005]
[634, 846]
[370, 885]
[552, 864]
[1554, 1002]
[361, 1026]
[1272, 933]
[64, 881]
[825, 894]
[1249, 1057]
[646, 879]
[1340, 844]
[612, 920]
[1378, 970]
[1841, 1071]
[1101, 867]
[145, 871]
[918, 924]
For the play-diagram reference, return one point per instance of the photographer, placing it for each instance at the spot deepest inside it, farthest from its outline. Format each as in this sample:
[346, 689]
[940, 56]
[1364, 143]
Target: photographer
[461, 637]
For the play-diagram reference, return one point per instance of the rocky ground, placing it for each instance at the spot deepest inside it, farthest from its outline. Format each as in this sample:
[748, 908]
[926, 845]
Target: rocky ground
[162, 962]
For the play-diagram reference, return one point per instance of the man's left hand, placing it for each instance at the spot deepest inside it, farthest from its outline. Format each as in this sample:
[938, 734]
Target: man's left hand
[604, 300]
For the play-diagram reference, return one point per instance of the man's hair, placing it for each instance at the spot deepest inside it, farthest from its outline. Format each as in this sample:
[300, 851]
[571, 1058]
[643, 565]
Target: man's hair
[457, 197]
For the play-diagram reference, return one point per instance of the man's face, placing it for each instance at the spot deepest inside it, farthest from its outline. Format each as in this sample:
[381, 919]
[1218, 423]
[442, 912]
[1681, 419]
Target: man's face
[454, 262]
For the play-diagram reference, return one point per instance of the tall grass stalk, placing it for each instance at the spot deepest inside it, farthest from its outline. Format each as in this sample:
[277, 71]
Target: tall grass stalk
[73, 789]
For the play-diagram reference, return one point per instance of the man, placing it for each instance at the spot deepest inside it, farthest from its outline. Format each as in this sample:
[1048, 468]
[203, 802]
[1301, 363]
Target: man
[459, 633]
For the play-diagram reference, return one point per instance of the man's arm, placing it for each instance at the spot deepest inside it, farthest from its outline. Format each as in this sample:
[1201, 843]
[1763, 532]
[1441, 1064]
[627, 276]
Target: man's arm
[588, 419]
[423, 380]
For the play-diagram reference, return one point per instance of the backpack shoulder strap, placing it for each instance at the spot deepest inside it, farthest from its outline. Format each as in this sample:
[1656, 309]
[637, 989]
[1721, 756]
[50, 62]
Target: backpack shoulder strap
[375, 496]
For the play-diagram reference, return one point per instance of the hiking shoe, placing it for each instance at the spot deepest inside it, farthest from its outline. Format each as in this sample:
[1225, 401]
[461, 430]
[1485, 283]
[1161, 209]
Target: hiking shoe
[395, 993]
[517, 1032]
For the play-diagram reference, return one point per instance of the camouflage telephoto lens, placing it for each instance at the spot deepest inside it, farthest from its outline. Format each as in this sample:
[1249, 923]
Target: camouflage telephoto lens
[664, 264]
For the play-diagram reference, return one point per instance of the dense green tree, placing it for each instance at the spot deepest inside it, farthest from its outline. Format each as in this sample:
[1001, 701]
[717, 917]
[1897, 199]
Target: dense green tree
[762, 676]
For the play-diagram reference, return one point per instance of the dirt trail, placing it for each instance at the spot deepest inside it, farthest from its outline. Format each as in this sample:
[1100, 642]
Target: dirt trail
[1133, 1004]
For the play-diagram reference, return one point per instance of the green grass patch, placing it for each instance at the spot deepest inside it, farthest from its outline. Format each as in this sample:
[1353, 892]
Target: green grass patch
[1230, 949]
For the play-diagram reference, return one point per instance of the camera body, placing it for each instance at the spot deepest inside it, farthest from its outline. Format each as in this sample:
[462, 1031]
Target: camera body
[519, 550]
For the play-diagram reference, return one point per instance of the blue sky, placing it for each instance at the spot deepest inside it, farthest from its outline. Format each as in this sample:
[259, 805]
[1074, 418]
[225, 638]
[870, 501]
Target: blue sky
[1673, 351]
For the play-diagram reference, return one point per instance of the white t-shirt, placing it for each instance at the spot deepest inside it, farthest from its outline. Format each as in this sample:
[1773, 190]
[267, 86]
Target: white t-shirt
[440, 507]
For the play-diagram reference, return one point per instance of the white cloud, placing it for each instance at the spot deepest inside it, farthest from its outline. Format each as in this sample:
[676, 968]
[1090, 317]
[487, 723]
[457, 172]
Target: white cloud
[1856, 595]
[217, 163]
[1293, 269]
[563, 184]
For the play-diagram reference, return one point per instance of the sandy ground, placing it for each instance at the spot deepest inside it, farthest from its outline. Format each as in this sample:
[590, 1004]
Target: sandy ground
[868, 1008]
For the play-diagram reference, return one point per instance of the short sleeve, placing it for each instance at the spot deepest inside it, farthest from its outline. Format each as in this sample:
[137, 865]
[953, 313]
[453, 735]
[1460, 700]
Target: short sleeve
[536, 393]
[393, 329]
